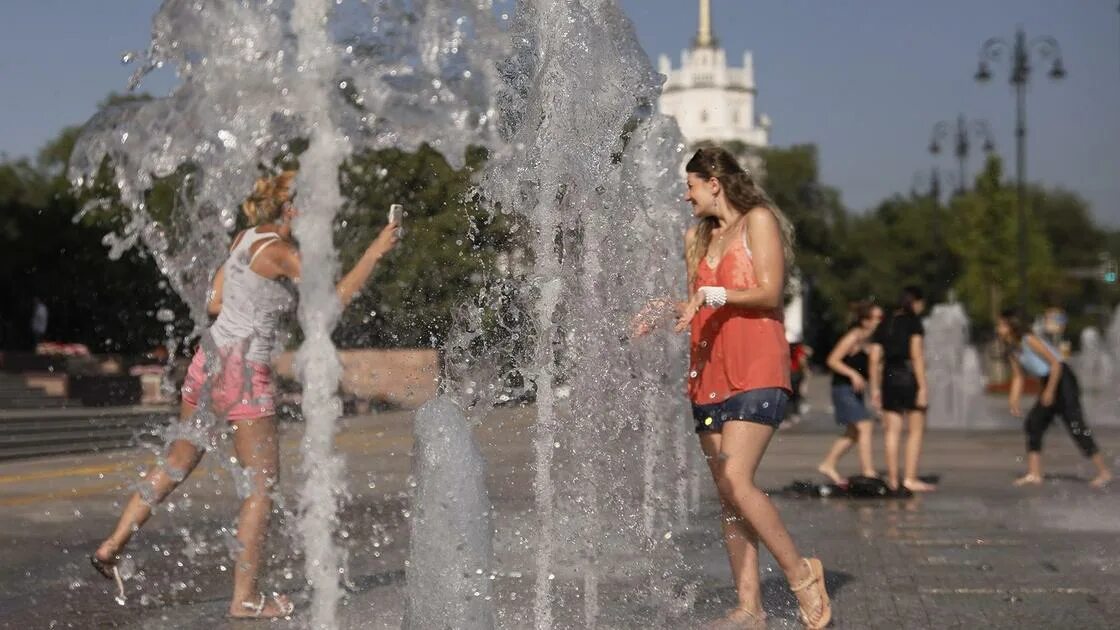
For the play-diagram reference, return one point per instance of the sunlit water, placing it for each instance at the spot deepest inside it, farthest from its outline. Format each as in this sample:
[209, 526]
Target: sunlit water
[562, 95]
[955, 378]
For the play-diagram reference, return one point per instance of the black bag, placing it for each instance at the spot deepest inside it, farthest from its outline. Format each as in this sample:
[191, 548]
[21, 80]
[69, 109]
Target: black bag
[867, 487]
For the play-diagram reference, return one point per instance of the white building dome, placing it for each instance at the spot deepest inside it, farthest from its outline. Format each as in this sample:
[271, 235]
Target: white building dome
[712, 102]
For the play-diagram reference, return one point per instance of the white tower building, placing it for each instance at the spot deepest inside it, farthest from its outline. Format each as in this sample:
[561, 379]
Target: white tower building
[712, 101]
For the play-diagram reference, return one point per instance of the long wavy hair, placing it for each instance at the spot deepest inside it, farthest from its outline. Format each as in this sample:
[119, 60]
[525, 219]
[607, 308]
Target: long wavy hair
[743, 194]
[268, 198]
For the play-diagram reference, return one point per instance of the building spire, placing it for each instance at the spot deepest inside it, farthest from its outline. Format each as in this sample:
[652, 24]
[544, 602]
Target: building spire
[704, 37]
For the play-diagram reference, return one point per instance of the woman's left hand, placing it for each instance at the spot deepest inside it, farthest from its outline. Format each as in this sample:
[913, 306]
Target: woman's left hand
[689, 311]
[1046, 398]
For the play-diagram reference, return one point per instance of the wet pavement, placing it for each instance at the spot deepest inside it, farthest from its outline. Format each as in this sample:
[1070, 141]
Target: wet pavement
[975, 554]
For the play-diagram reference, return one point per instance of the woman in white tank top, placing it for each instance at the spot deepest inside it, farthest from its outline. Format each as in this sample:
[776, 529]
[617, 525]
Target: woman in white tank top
[251, 292]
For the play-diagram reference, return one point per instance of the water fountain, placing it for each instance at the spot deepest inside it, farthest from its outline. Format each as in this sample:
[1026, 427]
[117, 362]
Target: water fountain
[956, 380]
[564, 102]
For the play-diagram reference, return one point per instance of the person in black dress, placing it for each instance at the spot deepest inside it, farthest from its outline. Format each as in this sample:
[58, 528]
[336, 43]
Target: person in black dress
[898, 387]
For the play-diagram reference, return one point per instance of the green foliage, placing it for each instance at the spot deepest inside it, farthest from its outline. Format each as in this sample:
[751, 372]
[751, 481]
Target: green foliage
[449, 245]
[108, 305]
[985, 239]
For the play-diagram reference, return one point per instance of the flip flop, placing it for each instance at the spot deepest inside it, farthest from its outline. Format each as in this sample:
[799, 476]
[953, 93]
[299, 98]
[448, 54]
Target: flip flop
[816, 579]
[109, 570]
[286, 607]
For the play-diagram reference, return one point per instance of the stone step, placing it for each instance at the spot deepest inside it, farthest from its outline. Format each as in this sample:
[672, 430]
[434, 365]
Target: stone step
[33, 402]
[41, 450]
[37, 432]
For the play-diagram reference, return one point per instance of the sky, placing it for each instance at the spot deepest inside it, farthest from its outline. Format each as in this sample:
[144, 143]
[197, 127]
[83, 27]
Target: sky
[864, 80]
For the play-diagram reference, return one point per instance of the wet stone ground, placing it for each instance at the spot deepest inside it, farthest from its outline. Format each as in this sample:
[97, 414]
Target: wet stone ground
[976, 554]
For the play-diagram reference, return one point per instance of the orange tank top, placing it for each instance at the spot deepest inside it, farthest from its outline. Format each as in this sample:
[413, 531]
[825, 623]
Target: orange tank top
[735, 349]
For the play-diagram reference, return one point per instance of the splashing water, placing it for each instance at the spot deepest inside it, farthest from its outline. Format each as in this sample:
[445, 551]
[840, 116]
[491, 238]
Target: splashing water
[448, 572]
[593, 197]
[580, 163]
[953, 370]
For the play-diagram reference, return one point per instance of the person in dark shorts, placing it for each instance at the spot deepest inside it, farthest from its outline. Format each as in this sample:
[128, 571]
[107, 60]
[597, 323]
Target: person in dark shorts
[850, 363]
[898, 387]
[738, 380]
[1060, 395]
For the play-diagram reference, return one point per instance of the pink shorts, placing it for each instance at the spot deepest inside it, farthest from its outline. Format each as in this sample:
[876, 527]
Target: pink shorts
[241, 390]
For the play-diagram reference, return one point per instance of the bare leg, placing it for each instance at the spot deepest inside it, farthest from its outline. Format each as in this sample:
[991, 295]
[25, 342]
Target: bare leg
[739, 538]
[1034, 470]
[257, 447]
[917, 429]
[864, 429]
[741, 449]
[1104, 475]
[182, 458]
[892, 436]
[839, 448]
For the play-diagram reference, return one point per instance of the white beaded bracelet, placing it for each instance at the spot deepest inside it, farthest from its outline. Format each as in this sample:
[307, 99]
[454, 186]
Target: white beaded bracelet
[714, 297]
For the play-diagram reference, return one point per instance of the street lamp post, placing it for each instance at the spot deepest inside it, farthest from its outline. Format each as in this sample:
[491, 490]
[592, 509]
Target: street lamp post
[966, 131]
[993, 50]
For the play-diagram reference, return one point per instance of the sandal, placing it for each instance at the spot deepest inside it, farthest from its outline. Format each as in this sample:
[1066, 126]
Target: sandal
[816, 579]
[108, 569]
[285, 607]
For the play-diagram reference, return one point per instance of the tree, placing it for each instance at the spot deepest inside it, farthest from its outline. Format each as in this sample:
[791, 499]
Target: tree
[985, 238]
[449, 245]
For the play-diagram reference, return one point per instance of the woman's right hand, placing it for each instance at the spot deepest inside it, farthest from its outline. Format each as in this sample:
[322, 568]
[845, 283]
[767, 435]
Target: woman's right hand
[1013, 407]
[386, 240]
[688, 311]
[650, 316]
[858, 383]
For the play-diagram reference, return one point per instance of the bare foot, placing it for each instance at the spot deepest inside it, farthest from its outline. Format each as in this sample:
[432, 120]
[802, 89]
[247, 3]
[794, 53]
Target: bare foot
[273, 607]
[740, 618]
[1029, 479]
[917, 485]
[1101, 480]
[831, 473]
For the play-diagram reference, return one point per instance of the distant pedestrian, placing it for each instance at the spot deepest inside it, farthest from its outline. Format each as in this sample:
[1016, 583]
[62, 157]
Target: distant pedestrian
[898, 386]
[850, 365]
[1060, 395]
[40, 317]
[799, 355]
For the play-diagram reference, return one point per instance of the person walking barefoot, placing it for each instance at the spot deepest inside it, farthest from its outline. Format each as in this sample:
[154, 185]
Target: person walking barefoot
[251, 290]
[739, 380]
[898, 387]
[1061, 395]
[849, 363]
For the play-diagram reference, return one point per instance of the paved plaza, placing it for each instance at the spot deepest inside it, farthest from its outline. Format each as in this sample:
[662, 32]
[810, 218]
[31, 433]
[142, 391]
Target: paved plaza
[976, 554]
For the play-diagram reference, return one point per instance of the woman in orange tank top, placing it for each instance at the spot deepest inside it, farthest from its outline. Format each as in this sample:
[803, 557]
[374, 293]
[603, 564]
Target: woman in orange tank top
[739, 380]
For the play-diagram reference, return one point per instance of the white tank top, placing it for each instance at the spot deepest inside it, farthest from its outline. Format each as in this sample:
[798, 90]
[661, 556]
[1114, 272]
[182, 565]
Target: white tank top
[251, 303]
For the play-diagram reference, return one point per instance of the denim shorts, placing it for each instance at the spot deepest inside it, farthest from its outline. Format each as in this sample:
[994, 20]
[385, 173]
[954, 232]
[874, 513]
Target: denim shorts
[764, 406]
[848, 405]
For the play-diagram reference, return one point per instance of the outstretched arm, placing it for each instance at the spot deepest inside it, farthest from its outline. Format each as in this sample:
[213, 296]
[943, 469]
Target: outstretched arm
[352, 283]
[283, 260]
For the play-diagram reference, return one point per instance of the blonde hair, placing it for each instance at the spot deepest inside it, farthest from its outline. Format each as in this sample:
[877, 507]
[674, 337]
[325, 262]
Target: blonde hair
[742, 192]
[268, 198]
